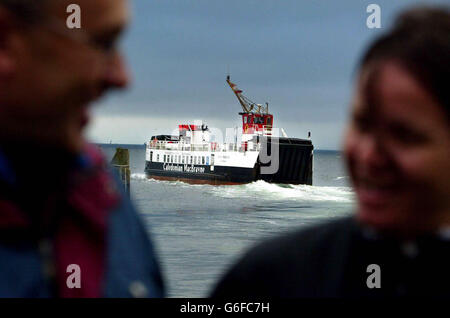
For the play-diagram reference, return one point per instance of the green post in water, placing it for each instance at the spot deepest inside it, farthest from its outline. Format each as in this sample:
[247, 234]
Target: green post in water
[121, 162]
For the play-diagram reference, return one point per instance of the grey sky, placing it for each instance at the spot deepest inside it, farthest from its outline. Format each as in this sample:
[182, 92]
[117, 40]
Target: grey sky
[300, 56]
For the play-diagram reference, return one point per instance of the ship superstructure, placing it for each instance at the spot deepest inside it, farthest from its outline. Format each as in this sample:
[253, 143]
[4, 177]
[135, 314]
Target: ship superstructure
[192, 156]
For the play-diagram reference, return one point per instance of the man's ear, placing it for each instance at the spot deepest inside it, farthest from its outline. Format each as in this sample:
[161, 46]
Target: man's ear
[6, 58]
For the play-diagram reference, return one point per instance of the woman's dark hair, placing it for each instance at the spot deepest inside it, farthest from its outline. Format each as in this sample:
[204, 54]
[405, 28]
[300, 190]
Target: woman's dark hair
[420, 41]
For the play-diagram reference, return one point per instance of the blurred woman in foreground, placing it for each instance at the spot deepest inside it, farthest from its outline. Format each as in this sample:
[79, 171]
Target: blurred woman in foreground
[398, 141]
[397, 149]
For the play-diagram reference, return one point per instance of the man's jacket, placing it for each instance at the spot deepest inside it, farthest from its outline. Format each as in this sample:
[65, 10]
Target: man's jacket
[84, 239]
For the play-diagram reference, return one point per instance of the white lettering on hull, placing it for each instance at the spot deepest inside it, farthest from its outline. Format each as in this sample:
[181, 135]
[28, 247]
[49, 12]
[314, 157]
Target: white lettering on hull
[183, 168]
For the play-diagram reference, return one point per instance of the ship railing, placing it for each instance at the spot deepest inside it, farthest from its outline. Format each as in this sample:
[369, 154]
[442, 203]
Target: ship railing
[267, 130]
[213, 147]
[163, 145]
[175, 145]
[199, 147]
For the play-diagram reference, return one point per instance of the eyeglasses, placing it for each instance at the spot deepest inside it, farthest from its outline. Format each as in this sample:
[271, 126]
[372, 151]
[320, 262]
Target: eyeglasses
[106, 45]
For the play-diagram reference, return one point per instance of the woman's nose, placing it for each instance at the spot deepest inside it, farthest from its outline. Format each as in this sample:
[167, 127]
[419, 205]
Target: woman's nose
[372, 153]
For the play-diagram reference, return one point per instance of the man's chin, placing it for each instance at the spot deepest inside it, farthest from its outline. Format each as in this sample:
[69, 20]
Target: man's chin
[74, 145]
[73, 138]
[72, 141]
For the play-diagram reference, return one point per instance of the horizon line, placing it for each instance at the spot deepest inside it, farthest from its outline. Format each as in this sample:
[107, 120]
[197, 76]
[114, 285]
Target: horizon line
[127, 144]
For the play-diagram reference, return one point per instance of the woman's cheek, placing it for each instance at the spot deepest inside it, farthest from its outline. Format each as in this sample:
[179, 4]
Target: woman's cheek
[350, 145]
[419, 166]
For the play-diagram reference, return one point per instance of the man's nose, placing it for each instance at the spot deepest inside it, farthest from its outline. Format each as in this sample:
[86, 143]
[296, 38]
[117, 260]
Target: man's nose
[116, 73]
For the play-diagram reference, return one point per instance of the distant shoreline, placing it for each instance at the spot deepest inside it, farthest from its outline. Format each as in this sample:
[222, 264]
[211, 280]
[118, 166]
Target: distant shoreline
[143, 145]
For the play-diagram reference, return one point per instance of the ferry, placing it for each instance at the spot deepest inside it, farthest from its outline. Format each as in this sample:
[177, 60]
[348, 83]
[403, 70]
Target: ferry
[259, 154]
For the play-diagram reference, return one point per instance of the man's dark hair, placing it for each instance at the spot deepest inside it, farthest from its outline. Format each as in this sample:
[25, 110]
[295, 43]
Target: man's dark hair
[420, 41]
[28, 10]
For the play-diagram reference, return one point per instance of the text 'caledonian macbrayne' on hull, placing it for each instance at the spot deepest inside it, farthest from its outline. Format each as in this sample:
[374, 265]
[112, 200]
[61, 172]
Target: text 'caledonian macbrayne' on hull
[260, 154]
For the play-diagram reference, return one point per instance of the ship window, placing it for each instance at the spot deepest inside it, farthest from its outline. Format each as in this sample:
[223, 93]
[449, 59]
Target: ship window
[203, 160]
[157, 157]
[259, 120]
[151, 155]
[164, 158]
[245, 119]
[190, 159]
[179, 159]
[182, 159]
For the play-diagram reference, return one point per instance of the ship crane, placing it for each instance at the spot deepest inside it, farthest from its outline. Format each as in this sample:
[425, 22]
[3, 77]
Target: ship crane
[255, 117]
[248, 106]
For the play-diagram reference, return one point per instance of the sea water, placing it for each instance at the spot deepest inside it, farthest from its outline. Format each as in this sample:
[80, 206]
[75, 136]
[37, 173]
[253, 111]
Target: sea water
[201, 230]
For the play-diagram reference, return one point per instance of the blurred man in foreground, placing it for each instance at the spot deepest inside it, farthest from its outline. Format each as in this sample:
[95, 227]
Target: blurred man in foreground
[397, 149]
[66, 229]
